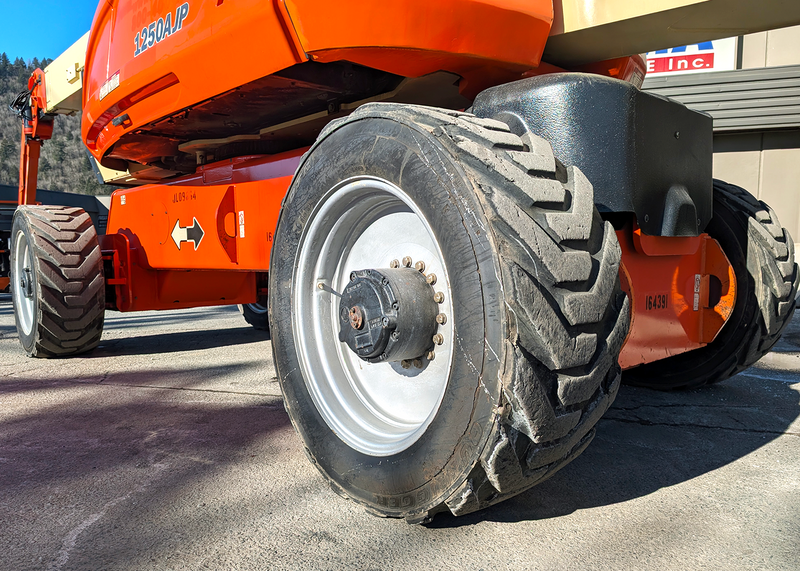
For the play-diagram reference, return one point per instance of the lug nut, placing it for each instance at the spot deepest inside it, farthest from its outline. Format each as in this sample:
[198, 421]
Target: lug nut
[438, 297]
[352, 276]
[395, 335]
[431, 355]
[407, 261]
[420, 266]
[441, 319]
[431, 279]
[405, 364]
[394, 264]
[418, 363]
[438, 338]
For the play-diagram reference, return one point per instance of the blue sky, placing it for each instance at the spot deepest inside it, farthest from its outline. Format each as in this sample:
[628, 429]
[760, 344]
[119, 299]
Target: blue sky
[42, 28]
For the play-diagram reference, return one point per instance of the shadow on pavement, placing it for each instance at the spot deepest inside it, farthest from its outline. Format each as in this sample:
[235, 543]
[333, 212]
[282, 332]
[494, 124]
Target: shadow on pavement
[89, 461]
[650, 440]
[115, 320]
[177, 341]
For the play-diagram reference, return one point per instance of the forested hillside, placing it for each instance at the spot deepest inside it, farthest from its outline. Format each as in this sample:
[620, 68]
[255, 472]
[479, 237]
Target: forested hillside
[64, 164]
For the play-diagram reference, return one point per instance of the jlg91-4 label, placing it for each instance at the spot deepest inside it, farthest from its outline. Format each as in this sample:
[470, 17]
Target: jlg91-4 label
[160, 29]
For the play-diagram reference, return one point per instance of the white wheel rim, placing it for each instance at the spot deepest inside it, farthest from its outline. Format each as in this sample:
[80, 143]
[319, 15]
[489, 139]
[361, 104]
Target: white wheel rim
[23, 270]
[378, 409]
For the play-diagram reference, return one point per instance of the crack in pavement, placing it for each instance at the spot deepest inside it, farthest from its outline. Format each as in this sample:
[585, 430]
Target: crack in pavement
[686, 406]
[644, 422]
[160, 387]
[192, 390]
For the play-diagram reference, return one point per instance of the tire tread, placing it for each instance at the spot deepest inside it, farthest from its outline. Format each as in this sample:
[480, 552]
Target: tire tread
[567, 314]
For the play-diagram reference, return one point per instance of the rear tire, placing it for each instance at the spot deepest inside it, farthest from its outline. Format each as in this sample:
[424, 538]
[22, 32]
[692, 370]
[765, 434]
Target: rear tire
[57, 283]
[534, 315]
[256, 314]
[761, 252]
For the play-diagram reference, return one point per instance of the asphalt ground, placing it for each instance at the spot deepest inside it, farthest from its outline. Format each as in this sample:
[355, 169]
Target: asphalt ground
[168, 448]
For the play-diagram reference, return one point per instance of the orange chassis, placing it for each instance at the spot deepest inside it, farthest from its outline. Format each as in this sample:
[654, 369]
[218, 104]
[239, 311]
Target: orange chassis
[682, 290]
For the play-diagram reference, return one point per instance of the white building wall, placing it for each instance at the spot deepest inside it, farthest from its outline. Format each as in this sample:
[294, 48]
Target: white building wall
[766, 163]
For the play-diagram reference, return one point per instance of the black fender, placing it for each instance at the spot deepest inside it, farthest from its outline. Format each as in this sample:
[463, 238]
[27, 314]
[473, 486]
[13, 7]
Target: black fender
[643, 153]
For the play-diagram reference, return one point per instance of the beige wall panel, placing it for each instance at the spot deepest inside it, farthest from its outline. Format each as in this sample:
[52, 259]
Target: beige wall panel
[783, 46]
[754, 52]
[780, 186]
[740, 168]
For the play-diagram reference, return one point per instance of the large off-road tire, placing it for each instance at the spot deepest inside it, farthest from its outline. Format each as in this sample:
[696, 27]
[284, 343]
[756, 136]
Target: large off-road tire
[761, 252]
[533, 315]
[57, 282]
[256, 314]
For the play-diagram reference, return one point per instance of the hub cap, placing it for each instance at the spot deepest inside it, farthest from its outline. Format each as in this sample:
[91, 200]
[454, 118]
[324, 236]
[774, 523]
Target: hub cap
[388, 315]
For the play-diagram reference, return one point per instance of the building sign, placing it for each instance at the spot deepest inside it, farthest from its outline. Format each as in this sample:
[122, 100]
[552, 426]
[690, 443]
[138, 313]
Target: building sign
[719, 55]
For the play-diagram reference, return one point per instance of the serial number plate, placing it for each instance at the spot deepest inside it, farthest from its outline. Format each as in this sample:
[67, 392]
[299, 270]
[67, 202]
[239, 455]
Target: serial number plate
[656, 301]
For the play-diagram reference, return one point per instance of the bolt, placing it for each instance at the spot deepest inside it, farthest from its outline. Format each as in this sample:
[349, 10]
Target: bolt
[418, 363]
[320, 285]
[438, 338]
[431, 279]
[395, 305]
[395, 335]
[385, 281]
[385, 322]
[407, 261]
[420, 266]
[384, 356]
[356, 317]
[352, 276]
[431, 355]
[394, 264]
[405, 364]
[438, 297]
[441, 319]
[677, 134]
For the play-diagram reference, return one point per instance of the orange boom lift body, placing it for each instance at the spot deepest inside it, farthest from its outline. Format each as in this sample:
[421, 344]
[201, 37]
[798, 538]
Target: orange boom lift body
[206, 72]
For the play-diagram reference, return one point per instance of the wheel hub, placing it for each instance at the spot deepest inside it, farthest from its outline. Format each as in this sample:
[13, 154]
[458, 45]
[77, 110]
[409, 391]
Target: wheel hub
[26, 283]
[388, 314]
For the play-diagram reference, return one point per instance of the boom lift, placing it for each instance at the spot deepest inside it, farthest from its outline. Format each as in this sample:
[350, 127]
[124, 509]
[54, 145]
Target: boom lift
[464, 214]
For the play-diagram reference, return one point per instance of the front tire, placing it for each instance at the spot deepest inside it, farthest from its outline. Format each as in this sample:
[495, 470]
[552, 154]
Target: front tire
[57, 283]
[533, 315]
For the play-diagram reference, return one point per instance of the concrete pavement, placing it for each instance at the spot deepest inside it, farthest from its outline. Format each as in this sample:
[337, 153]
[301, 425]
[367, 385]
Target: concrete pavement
[168, 448]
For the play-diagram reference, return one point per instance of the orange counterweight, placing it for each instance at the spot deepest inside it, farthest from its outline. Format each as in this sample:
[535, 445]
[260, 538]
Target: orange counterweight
[682, 292]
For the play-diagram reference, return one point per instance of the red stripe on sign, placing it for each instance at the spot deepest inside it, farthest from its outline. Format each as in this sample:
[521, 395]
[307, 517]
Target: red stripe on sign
[694, 62]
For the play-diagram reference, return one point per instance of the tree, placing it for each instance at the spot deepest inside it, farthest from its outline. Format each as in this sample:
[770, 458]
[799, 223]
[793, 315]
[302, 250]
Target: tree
[5, 64]
[57, 146]
[6, 149]
[20, 68]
